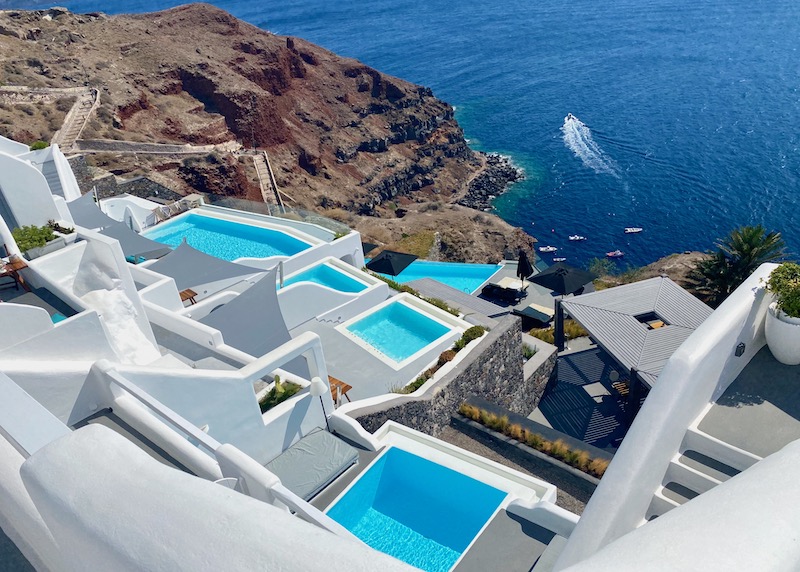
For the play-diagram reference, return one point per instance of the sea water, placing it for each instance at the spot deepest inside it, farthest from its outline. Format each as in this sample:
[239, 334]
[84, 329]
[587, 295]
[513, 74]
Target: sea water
[687, 112]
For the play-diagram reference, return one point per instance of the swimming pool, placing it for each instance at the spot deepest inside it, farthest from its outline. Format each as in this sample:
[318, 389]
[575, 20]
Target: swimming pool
[398, 331]
[464, 277]
[416, 510]
[329, 276]
[226, 239]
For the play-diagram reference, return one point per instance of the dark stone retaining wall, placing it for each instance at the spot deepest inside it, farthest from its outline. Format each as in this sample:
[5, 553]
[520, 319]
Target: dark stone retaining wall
[493, 371]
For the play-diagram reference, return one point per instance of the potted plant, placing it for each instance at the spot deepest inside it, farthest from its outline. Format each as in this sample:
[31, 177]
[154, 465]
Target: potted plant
[35, 241]
[782, 327]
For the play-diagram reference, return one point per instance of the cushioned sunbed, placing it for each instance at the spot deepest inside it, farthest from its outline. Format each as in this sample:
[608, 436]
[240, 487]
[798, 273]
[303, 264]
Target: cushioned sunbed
[313, 463]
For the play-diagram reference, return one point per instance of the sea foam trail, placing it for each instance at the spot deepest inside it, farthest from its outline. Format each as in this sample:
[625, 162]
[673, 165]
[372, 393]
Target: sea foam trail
[578, 138]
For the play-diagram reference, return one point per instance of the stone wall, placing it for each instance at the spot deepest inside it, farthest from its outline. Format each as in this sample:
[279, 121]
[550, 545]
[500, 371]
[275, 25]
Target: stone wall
[539, 369]
[493, 371]
[108, 185]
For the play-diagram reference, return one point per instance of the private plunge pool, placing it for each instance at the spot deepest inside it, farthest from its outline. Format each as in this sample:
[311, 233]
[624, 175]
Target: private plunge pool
[416, 510]
[461, 276]
[327, 275]
[401, 329]
[226, 239]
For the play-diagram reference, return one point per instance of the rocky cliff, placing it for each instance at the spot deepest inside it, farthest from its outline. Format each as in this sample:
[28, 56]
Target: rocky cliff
[342, 137]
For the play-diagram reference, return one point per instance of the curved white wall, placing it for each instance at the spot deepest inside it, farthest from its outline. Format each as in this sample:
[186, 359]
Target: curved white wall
[26, 192]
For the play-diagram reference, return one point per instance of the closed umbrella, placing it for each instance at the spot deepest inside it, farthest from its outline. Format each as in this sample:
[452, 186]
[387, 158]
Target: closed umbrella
[563, 279]
[391, 262]
[524, 268]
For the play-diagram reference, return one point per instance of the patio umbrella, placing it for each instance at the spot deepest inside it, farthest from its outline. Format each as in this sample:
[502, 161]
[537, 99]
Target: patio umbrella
[562, 278]
[524, 268]
[391, 262]
[367, 247]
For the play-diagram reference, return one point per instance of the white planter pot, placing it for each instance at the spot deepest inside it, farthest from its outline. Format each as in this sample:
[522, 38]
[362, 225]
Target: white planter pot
[783, 336]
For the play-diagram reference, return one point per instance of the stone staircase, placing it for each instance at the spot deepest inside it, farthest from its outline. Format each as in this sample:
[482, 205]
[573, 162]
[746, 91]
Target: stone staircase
[76, 119]
[702, 463]
[269, 187]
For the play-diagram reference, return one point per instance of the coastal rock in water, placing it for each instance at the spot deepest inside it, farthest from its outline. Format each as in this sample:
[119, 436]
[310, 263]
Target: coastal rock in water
[493, 181]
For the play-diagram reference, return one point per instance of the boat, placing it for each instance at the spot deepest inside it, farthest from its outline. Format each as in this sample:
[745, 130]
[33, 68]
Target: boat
[632, 229]
[547, 249]
[576, 237]
[569, 117]
[559, 259]
[615, 254]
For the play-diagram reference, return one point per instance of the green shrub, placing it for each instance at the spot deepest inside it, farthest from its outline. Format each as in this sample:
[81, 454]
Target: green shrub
[280, 392]
[784, 283]
[470, 334]
[36, 145]
[441, 304]
[529, 351]
[28, 237]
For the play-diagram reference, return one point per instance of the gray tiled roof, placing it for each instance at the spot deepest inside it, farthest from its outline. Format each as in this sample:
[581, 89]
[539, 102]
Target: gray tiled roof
[610, 317]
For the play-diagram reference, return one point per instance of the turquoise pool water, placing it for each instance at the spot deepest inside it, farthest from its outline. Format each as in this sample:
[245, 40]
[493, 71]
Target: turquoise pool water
[225, 239]
[464, 277]
[327, 276]
[415, 510]
[398, 331]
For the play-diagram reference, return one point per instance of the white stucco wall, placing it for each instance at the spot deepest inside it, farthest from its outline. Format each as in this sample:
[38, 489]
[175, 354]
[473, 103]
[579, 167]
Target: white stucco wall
[19, 322]
[26, 192]
[747, 523]
[114, 508]
[11, 147]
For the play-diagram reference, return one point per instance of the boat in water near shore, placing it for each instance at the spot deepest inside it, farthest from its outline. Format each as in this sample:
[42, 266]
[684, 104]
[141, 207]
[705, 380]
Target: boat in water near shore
[633, 229]
[576, 237]
[615, 254]
[547, 249]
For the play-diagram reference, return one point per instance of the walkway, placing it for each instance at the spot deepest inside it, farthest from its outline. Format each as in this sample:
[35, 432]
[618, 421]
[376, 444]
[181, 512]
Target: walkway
[760, 410]
[479, 309]
[76, 119]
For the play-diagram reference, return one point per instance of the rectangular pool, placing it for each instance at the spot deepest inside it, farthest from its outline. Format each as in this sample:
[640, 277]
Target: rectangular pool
[329, 276]
[416, 510]
[464, 277]
[398, 331]
[226, 239]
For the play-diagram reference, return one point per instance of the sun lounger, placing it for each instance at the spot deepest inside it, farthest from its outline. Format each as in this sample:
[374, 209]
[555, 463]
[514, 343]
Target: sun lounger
[536, 312]
[313, 463]
[497, 292]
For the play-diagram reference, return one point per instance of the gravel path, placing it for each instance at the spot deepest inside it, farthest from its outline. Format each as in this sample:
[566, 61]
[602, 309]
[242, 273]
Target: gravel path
[571, 497]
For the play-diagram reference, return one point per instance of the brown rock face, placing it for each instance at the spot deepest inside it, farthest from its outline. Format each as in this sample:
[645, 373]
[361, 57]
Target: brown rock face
[340, 135]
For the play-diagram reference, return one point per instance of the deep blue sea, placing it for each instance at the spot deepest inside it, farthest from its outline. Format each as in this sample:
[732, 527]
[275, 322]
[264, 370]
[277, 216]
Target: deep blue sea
[687, 111]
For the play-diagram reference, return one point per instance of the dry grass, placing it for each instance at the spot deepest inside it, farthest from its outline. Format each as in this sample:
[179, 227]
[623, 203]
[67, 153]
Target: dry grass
[419, 243]
[572, 330]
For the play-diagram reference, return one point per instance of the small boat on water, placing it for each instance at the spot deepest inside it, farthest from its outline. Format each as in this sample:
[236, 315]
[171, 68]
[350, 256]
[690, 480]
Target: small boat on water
[576, 237]
[547, 249]
[569, 117]
[615, 254]
[559, 259]
[632, 229]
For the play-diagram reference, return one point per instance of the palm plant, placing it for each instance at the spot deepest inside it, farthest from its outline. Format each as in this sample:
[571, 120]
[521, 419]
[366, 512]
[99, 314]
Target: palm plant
[736, 258]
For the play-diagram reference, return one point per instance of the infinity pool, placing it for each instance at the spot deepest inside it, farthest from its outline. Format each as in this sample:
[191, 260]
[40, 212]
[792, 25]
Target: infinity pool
[464, 277]
[398, 331]
[226, 239]
[327, 275]
[416, 510]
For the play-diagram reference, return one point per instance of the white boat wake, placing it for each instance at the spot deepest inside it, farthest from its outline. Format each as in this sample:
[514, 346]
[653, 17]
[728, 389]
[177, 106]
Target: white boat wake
[578, 138]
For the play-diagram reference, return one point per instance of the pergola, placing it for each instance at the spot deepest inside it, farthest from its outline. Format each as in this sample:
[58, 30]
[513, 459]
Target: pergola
[640, 325]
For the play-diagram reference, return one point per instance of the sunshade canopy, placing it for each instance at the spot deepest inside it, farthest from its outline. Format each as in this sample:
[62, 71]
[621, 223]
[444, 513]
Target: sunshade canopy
[368, 247]
[391, 262]
[253, 323]
[190, 267]
[134, 244]
[86, 213]
[562, 278]
[524, 268]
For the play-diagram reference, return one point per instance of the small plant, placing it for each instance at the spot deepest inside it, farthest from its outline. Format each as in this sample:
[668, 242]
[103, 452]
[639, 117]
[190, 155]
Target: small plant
[469, 334]
[784, 283]
[528, 351]
[53, 225]
[572, 330]
[280, 392]
[446, 356]
[28, 237]
[557, 449]
[37, 145]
